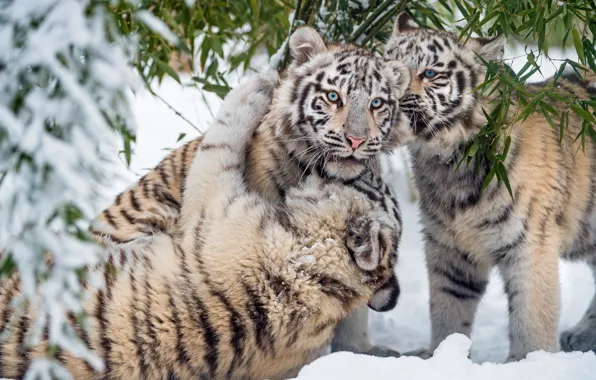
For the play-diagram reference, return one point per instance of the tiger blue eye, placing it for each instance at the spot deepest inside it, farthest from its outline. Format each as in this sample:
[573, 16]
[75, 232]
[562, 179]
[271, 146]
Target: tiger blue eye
[430, 73]
[376, 103]
[333, 96]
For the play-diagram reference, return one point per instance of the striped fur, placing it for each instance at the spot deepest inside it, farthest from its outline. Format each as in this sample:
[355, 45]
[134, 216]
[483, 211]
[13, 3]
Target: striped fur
[250, 291]
[152, 205]
[304, 133]
[468, 231]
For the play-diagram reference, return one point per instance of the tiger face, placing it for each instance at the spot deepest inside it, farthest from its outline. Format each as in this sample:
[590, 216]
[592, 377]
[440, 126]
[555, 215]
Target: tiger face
[440, 104]
[341, 104]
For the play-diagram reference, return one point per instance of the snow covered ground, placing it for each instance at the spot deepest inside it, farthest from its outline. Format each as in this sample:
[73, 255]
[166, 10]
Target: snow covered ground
[406, 327]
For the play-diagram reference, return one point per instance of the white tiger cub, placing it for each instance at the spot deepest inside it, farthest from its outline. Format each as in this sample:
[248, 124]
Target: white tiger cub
[309, 260]
[253, 291]
[468, 230]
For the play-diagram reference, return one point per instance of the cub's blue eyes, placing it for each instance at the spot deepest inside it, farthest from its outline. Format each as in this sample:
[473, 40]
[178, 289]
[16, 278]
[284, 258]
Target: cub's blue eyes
[376, 103]
[430, 74]
[333, 96]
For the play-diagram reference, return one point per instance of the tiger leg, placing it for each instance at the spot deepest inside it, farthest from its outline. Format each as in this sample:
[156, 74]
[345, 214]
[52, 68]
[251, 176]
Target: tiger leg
[457, 283]
[582, 337]
[530, 273]
[352, 335]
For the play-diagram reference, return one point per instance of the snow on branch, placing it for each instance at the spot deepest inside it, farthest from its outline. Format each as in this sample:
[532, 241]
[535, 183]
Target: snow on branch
[64, 77]
[157, 25]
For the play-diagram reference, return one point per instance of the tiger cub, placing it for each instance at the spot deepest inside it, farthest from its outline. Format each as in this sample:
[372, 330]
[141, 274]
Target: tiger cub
[335, 109]
[254, 292]
[468, 230]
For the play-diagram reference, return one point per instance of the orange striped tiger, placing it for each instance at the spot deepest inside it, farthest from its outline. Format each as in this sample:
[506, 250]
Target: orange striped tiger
[335, 109]
[249, 290]
[469, 230]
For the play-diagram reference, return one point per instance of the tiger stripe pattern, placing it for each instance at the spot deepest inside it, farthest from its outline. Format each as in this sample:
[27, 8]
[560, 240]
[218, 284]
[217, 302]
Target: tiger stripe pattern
[335, 110]
[468, 230]
[255, 292]
[152, 205]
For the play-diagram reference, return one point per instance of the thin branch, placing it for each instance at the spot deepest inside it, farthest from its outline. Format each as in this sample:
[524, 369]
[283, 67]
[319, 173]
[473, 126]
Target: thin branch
[171, 107]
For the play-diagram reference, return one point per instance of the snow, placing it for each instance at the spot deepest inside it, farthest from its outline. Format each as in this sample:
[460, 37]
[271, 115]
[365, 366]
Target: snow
[279, 55]
[359, 4]
[407, 327]
[450, 362]
[60, 128]
[157, 25]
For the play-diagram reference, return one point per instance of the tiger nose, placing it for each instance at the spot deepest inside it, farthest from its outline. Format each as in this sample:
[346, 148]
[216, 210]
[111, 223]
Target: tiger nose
[355, 141]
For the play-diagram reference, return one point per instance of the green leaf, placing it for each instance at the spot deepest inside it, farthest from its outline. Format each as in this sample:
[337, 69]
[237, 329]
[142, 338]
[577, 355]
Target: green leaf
[502, 173]
[221, 91]
[591, 132]
[181, 136]
[583, 113]
[579, 47]
[473, 149]
[510, 81]
[506, 147]
[167, 69]
[489, 177]
[205, 49]
[549, 108]
[216, 43]
[462, 9]
[548, 118]
[127, 151]
[254, 7]
[7, 266]
[562, 125]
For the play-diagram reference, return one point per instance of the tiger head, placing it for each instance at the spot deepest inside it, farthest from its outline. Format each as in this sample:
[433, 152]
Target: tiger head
[442, 109]
[339, 104]
[358, 240]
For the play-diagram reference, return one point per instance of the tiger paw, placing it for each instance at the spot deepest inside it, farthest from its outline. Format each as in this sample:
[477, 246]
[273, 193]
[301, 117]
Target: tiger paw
[580, 338]
[254, 91]
[382, 352]
[422, 353]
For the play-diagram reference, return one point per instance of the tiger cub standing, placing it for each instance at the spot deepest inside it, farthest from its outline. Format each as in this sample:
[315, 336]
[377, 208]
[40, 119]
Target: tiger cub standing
[254, 292]
[335, 109]
[468, 230]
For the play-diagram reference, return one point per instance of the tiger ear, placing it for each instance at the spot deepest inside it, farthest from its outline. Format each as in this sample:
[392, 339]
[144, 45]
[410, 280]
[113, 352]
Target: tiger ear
[404, 22]
[490, 49]
[402, 77]
[381, 245]
[305, 43]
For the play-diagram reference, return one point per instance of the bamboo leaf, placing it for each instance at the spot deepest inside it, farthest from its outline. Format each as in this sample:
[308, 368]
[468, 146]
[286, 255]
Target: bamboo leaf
[254, 7]
[473, 149]
[7, 266]
[579, 47]
[489, 177]
[502, 173]
[506, 147]
[583, 113]
[167, 69]
[548, 118]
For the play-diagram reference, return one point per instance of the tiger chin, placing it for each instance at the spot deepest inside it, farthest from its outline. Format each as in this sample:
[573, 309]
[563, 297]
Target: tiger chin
[335, 109]
[467, 230]
[254, 293]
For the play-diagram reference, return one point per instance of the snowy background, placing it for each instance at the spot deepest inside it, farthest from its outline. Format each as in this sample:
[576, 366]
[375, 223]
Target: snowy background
[406, 327]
